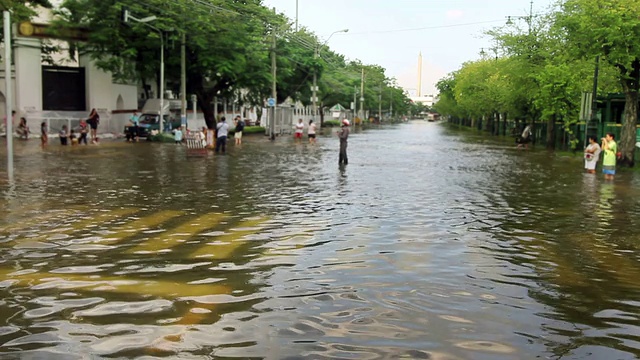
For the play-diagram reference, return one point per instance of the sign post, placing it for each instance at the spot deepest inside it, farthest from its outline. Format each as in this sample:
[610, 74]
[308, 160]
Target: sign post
[8, 91]
[271, 103]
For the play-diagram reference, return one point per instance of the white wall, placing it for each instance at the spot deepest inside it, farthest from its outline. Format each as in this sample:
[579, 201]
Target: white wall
[98, 91]
[3, 99]
[28, 72]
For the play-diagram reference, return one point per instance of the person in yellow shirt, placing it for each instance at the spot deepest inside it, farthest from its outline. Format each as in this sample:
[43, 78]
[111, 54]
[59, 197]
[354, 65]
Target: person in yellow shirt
[610, 149]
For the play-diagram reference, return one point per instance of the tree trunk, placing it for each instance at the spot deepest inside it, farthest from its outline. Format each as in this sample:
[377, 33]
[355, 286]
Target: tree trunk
[551, 132]
[628, 133]
[205, 100]
[630, 84]
[504, 124]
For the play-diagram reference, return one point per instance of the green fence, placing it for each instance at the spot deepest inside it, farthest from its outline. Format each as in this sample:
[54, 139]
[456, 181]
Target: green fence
[565, 138]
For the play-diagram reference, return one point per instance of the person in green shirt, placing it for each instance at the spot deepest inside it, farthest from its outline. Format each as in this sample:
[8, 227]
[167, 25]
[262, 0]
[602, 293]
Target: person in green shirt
[610, 149]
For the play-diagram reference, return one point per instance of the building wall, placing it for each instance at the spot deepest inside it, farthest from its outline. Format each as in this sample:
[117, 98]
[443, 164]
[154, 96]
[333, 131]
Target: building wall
[124, 101]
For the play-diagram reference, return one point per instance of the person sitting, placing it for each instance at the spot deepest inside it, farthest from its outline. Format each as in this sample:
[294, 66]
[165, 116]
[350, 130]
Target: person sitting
[525, 137]
[23, 129]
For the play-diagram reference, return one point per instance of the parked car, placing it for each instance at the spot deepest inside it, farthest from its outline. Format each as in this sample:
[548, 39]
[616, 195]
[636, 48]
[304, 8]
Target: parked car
[148, 121]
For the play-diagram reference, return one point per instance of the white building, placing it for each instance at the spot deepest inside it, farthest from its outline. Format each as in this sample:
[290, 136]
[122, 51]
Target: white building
[427, 100]
[65, 92]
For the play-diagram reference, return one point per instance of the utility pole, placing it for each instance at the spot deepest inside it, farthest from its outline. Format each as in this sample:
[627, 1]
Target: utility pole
[161, 119]
[362, 95]
[8, 91]
[183, 81]
[355, 94]
[274, 92]
[296, 15]
[391, 102]
[380, 104]
[314, 89]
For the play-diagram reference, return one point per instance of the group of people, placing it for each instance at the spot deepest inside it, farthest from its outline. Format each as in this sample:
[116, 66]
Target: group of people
[67, 136]
[592, 155]
[343, 135]
[75, 136]
[221, 133]
[299, 131]
[592, 152]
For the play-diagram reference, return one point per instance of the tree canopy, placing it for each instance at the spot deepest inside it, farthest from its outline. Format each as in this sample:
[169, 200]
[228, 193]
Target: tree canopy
[539, 73]
[228, 45]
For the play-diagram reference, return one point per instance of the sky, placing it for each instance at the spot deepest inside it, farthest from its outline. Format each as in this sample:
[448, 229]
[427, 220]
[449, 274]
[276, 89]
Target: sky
[379, 31]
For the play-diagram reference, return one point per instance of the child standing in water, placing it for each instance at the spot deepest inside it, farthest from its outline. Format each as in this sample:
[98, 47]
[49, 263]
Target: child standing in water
[64, 135]
[83, 132]
[73, 137]
[177, 135]
[44, 137]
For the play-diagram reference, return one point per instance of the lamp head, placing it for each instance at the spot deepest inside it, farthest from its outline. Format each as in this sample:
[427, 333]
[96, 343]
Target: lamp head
[509, 21]
[148, 19]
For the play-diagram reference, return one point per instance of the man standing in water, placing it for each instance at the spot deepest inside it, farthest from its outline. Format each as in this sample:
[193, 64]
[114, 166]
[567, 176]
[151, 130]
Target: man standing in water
[221, 139]
[610, 149]
[343, 134]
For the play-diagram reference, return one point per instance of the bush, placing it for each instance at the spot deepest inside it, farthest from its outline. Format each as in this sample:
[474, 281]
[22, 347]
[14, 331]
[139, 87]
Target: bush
[332, 123]
[167, 138]
[254, 130]
[248, 130]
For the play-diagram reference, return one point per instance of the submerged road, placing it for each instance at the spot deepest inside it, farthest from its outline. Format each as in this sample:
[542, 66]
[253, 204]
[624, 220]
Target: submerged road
[430, 244]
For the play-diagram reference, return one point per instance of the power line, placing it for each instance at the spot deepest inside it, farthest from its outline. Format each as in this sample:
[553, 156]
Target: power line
[423, 28]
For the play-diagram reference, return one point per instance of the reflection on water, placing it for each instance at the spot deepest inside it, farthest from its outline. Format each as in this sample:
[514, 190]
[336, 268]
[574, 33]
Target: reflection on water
[430, 244]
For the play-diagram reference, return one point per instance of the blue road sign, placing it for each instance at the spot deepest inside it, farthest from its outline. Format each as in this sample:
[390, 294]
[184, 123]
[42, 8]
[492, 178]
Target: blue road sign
[271, 102]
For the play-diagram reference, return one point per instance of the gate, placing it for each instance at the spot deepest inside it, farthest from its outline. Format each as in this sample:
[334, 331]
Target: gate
[63, 88]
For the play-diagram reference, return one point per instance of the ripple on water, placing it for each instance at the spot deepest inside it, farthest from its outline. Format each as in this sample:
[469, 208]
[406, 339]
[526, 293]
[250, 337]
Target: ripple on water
[119, 308]
[430, 244]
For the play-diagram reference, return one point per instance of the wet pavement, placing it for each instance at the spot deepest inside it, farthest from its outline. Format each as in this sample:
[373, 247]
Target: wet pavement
[431, 244]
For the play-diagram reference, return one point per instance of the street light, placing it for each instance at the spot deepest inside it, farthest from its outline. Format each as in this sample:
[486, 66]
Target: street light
[126, 17]
[314, 90]
[528, 18]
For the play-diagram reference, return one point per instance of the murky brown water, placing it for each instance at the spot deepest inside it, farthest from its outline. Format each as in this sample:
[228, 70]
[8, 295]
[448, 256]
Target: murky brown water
[430, 244]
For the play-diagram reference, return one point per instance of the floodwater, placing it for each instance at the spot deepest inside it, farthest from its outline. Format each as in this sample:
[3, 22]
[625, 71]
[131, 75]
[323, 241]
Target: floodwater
[431, 244]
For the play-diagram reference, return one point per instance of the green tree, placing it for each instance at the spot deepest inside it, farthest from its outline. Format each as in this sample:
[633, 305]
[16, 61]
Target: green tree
[609, 29]
[23, 9]
[227, 48]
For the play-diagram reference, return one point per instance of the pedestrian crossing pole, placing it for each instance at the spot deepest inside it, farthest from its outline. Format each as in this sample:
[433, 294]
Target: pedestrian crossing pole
[274, 92]
[8, 91]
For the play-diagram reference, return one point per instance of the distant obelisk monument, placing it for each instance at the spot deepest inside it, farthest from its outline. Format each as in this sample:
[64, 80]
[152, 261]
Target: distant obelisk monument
[420, 74]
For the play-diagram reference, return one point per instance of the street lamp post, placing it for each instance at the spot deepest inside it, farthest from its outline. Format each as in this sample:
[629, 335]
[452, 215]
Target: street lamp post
[144, 21]
[528, 18]
[314, 89]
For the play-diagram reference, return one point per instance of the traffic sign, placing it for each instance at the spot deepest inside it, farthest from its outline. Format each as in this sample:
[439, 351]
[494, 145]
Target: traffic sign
[271, 102]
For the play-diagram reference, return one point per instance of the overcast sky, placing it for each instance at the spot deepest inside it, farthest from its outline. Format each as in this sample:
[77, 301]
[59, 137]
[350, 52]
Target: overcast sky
[375, 38]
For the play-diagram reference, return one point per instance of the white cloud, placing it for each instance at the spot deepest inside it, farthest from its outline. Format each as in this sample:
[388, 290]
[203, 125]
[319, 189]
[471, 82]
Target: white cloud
[454, 14]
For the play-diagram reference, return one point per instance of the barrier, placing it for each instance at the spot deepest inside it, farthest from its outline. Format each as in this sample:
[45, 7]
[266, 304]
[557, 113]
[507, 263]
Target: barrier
[196, 141]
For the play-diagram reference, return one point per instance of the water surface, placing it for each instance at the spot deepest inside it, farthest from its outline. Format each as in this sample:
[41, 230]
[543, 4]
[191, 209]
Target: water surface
[432, 243]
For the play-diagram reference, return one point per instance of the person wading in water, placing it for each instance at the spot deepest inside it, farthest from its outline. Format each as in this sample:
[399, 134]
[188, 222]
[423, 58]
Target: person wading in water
[343, 134]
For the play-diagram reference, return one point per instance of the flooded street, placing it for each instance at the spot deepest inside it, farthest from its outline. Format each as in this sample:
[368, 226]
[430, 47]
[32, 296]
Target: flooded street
[430, 244]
